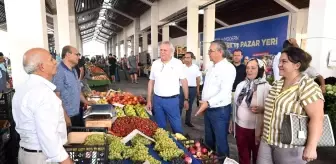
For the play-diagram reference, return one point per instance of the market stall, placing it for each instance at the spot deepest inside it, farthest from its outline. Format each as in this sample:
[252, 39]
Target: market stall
[98, 76]
[132, 135]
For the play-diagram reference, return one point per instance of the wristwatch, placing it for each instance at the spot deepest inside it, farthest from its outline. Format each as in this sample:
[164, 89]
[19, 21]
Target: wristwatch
[186, 99]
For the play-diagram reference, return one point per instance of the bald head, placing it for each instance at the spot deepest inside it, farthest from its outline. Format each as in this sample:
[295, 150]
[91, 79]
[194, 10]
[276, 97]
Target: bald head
[32, 58]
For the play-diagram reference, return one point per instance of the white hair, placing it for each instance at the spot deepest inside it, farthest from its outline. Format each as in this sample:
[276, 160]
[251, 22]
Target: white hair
[172, 48]
[30, 64]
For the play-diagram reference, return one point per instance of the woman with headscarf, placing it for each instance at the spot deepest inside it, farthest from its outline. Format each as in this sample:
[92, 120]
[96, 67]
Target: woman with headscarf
[248, 111]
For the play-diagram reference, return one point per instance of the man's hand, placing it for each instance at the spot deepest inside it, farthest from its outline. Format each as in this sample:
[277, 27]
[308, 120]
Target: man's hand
[67, 120]
[186, 105]
[231, 127]
[309, 153]
[149, 105]
[256, 109]
[91, 102]
[203, 106]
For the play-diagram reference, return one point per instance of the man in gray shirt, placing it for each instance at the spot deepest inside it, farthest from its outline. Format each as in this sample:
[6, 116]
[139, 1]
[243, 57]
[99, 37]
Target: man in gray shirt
[132, 64]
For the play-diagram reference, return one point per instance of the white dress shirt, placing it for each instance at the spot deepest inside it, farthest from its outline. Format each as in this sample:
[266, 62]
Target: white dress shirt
[275, 66]
[218, 84]
[311, 72]
[39, 118]
[191, 73]
[167, 77]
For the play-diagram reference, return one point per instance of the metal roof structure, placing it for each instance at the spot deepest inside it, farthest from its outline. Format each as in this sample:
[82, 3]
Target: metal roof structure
[102, 19]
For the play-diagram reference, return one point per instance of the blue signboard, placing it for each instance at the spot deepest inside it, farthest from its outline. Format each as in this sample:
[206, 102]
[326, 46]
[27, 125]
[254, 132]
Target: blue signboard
[255, 39]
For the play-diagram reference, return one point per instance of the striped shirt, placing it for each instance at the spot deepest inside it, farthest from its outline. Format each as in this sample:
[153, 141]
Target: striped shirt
[278, 104]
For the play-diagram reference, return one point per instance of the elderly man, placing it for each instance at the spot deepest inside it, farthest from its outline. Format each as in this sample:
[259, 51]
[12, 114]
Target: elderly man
[68, 86]
[216, 99]
[38, 112]
[165, 77]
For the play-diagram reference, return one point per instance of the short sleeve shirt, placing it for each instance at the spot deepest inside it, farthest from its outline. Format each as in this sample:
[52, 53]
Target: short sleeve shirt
[167, 77]
[192, 73]
[67, 83]
[278, 103]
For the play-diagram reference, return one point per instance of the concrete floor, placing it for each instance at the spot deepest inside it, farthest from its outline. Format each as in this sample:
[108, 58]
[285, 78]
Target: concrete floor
[325, 155]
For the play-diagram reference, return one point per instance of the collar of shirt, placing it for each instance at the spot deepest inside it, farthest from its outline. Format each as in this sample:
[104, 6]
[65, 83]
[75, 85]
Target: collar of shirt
[66, 67]
[220, 62]
[48, 83]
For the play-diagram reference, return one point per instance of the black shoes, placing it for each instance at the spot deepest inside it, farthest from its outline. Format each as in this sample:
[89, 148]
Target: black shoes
[190, 125]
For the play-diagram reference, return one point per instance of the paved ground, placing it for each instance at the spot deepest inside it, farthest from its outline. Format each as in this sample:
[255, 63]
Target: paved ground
[326, 155]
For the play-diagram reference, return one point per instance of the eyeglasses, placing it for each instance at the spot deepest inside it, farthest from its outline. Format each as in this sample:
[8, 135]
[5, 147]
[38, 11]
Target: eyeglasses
[211, 51]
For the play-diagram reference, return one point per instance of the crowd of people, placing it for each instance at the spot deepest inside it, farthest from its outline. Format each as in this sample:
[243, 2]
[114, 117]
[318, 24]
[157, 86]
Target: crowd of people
[234, 97]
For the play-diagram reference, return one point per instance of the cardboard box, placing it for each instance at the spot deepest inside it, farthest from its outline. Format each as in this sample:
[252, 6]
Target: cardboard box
[99, 121]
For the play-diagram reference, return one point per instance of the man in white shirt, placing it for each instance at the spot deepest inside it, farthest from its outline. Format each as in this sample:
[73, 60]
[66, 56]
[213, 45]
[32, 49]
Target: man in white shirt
[165, 77]
[193, 75]
[216, 99]
[38, 112]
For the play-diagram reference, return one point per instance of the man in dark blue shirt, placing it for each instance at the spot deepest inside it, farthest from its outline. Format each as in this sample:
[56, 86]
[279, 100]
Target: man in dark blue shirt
[68, 86]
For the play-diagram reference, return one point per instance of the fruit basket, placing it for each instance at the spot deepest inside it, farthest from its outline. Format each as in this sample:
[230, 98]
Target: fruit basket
[88, 154]
[202, 152]
[6, 104]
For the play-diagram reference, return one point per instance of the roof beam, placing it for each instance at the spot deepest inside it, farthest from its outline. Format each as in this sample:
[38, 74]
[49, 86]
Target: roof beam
[100, 41]
[109, 28]
[88, 38]
[102, 36]
[104, 33]
[87, 29]
[147, 2]
[87, 22]
[88, 12]
[287, 5]
[114, 24]
[181, 28]
[221, 22]
[121, 13]
[87, 35]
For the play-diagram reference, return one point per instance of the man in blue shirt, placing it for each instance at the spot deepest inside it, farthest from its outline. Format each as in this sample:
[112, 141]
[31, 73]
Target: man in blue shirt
[68, 86]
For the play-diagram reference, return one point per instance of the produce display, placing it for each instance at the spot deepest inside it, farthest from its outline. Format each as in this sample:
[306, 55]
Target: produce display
[97, 94]
[95, 139]
[125, 98]
[116, 147]
[100, 77]
[166, 147]
[200, 151]
[95, 70]
[129, 110]
[141, 111]
[138, 139]
[102, 101]
[331, 89]
[179, 136]
[125, 125]
[120, 112]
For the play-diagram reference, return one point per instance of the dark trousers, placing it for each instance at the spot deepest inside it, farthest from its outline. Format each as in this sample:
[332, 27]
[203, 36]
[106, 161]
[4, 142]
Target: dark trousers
[77, 120]
[192, 95]
[216, 124]
[167, 108]
[246, 145]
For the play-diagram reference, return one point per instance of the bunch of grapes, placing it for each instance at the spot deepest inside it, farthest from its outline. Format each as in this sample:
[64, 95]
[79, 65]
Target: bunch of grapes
[129, 110]
[116, 148]
[140, 153]
[171, 153]
[95, 139]
[166, 147]
[152, 160]
[138, 139]
[141, 111]
[120, 112]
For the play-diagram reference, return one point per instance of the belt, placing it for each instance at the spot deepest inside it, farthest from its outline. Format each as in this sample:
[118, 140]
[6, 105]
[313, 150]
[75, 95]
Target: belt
[169, 97]
[191, 87]
[31, 151]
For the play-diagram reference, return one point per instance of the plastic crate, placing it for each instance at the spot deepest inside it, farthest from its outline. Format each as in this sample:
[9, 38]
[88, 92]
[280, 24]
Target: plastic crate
[83, 154]
[6, 105]
[215, 159]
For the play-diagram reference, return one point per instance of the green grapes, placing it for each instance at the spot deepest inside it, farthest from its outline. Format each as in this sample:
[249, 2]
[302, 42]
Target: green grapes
[116, 148]
[95, 139]
[138, 139]
[129, 110]
[141, 111]
[170, 154]
[166, 147]
[153, 160]
[120, 112]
